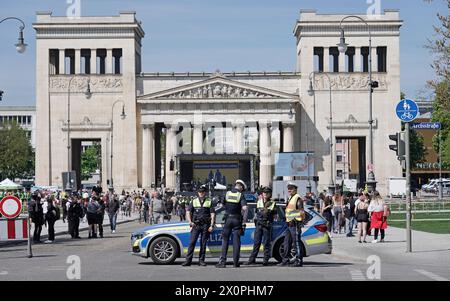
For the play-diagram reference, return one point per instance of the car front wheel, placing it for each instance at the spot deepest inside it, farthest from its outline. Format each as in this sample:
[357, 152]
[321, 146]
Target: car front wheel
[279, 249]
[163, 250]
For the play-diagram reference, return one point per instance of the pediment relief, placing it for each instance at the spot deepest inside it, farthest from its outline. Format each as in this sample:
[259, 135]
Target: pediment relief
[220, 88]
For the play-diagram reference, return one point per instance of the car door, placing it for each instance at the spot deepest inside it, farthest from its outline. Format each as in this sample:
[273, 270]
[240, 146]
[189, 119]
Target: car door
[214, 245]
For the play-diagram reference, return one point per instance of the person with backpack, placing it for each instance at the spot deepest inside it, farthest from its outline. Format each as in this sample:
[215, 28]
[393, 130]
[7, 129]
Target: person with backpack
[169, 206]
[158, 208]
[146, 207]
[349, 213]
[36, 213]
[52, 215]
[64, 206]
[74, 213]
[101, 214]
[92, 209]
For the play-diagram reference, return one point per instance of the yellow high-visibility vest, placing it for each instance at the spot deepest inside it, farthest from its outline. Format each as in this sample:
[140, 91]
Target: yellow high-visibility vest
[292, 213]
[197, 204]
[233, 197]
[260, 205]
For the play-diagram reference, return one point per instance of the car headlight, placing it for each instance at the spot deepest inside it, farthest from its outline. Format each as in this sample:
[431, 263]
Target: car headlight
[137, 236]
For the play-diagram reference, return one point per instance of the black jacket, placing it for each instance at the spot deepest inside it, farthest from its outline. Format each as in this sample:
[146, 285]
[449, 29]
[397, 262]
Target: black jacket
[36, 212]
[75, 211]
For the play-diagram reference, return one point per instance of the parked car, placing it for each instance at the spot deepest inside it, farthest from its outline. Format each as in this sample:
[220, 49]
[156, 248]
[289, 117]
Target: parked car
[164, 243]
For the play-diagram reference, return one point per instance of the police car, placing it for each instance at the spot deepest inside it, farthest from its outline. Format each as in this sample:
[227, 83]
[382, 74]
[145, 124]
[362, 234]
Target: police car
[164, 243]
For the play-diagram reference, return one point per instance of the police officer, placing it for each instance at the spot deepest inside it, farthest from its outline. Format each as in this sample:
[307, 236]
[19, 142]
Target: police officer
[200, 216]
[235, 218]
[295, 216]
[265, 211]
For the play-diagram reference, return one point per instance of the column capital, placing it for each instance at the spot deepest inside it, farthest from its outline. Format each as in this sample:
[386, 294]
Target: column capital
[173, 127]
[264, 124]
[288, 124]
[197, 126]
[148, 126]
[238, 124]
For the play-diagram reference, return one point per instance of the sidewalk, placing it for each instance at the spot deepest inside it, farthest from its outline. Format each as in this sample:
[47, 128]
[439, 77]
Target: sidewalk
[62, 228]
[427, 248]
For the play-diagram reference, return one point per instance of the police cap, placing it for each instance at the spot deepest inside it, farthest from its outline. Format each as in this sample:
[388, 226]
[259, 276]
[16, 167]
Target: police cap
[267, 189]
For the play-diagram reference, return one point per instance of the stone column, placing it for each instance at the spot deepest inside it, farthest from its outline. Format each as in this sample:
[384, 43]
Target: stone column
[93, 61]
[77, 61]
[374, 59]
[238, 137]
[170, 155]
[326, 59]
[108, 62]
[105, 161]
[288, 141]
[342, 57]
[357, 59]
[148, 145]
[197, 145]
[288, 137]
[265, 177]
[62, 61]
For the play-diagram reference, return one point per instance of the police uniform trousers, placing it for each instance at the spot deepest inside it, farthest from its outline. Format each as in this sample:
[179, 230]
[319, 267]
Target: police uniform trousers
[292, 237]
[202, 231]
[263, 234]
[233, 225]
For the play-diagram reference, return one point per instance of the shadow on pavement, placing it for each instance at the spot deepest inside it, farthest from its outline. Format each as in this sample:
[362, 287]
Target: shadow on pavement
[25, 256]
[326, 264]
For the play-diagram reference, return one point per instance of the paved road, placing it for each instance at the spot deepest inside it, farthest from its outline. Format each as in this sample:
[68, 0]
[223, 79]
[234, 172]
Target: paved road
[110, 259]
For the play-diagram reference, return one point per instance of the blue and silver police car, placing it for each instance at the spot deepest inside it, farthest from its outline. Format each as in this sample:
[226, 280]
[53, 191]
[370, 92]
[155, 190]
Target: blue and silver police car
[164, 243]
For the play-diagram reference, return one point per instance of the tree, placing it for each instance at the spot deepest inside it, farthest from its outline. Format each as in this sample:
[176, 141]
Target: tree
[16, 153]
[90, 160]
[441, 113]
[440, 48]
[418, 151]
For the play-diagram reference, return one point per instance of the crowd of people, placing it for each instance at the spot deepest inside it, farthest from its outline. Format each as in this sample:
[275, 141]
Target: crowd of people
[345, 212]
[46, 207]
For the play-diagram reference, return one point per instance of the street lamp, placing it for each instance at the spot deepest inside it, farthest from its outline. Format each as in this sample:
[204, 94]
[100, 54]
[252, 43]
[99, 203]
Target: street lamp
[311, 92]
[122, 116]
[20, 46]
[342, 46]
[88, 95]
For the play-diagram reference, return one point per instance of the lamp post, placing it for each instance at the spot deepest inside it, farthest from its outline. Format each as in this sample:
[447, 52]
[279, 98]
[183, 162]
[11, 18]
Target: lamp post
[122, 116]
[342, 46]
[20, 46]
[311, 92]
[88, 95]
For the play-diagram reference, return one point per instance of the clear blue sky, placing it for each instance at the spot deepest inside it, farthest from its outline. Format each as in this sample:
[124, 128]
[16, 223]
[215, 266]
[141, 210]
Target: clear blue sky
[205, 35]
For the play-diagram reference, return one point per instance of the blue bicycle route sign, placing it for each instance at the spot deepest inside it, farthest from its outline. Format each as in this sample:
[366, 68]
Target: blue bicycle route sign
[407, 110]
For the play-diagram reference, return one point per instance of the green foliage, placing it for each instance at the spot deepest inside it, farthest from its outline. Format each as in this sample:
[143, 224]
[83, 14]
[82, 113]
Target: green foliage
[417, 148]
[90, 160]
[16, 153]
[440, 48]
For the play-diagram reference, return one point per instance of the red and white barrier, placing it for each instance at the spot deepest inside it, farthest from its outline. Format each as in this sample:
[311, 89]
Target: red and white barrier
[14, 229]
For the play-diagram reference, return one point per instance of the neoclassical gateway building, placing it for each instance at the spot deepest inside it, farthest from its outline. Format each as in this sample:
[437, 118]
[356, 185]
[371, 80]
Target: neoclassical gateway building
[156, 127]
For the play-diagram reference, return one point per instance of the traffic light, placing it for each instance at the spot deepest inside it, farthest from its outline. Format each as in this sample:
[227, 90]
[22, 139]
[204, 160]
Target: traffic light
[1, 95]
[399, 147]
